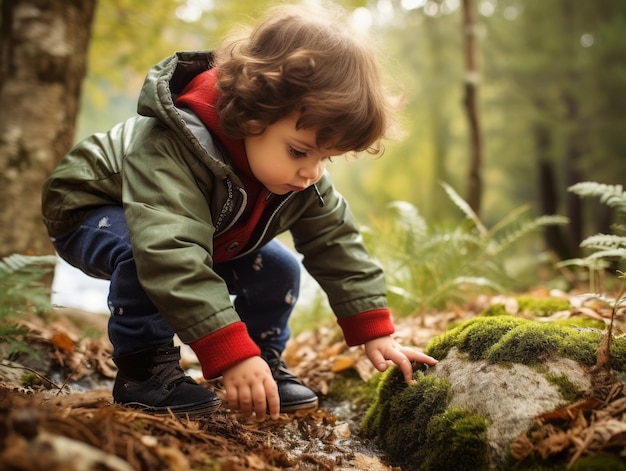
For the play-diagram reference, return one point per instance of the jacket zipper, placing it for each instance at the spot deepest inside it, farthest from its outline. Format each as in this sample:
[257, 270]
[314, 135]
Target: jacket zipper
[242, 207]
[267, 225]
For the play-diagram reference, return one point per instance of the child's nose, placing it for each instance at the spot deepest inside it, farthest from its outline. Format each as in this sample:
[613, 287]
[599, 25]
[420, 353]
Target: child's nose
[312, 172]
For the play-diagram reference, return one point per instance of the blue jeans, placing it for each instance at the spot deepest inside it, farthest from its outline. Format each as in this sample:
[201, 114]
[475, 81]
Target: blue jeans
[265, 284]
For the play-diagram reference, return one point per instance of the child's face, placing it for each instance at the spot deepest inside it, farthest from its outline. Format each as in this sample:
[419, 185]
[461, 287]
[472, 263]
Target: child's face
[286, 159]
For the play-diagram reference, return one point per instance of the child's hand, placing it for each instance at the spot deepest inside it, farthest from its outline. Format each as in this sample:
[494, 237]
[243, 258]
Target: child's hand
[251, 388]
[384, 349]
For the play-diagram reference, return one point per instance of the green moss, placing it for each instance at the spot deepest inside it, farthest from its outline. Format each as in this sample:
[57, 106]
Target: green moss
[509, 339]
[529, 344]
[348, 385]
[618, 354]
[542, 307]
[581, 345]
[397, 422]
[473, 337]
[412, 425]
[568, 390]
[598, 463]
[440, 346]
[495, 310]
[456, 439]
[582, 323]
[377, 416]
[484, 332]
[30, 380]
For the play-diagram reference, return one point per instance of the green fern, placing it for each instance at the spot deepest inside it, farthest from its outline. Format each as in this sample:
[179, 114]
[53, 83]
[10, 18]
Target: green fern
[604, 242]
[22, 291]
[430, 268]
[605, 248]
[613, 196]
[466, 209]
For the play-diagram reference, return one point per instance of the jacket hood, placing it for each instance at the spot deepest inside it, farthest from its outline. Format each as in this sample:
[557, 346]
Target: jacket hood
[163, 83]
[167, 79]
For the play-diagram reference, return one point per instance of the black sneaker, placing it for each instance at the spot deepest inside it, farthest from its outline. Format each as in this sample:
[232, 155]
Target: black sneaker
[293, 394]
[152, 380]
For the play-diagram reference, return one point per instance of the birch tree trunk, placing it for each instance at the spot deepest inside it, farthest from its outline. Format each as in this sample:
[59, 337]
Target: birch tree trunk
[43, 56]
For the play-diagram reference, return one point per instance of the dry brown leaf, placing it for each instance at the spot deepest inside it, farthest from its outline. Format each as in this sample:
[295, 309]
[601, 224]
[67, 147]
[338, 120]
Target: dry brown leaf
[555, 442]
[62, 341]
[255, 462]
[521, 447]
[365, 369]
[608, 430]
[342, 363]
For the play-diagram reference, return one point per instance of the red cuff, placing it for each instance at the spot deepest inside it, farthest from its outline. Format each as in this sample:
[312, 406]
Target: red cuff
[224, 348]
[366, 326]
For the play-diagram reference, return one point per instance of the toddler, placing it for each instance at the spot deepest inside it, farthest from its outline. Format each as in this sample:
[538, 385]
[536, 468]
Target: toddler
[179, 207]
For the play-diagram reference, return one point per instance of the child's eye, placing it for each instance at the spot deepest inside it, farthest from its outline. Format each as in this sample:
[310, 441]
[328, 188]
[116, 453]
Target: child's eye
[298, 154]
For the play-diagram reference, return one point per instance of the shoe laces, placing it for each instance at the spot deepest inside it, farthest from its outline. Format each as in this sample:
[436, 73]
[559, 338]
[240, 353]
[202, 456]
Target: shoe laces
[277, 366]
[166, 367]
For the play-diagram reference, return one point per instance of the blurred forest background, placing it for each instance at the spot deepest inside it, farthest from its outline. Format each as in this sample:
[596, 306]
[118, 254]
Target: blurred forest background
[508, 103]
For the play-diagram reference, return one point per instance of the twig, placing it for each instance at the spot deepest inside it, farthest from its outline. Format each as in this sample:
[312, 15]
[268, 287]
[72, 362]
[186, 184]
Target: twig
[21, 367]
[67, 380]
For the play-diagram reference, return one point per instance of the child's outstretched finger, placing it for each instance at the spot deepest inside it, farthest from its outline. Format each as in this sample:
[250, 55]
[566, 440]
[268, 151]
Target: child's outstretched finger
[414, 355]
[378, 360]
[273, 400]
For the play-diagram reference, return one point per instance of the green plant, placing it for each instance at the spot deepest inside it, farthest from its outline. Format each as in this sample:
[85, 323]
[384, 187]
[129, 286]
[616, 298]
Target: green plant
[542, 306]
[412, 424]
[507, 339]
[22, 291]
[428, 268]
[604, 248]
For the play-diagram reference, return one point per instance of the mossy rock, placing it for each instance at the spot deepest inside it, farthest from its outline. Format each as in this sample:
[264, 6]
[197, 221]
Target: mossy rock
[542, 306]
[509, 339]
[416, 431]
[495, 375]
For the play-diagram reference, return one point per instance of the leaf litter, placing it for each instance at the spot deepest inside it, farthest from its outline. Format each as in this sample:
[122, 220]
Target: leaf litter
[56, 412]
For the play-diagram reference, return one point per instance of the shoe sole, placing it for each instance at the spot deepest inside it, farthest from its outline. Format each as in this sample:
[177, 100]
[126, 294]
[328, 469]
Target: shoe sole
[181, 411]
[286, 408]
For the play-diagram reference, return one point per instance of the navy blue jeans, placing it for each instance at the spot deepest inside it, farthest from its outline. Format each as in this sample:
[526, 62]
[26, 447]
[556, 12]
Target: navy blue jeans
[265, 284]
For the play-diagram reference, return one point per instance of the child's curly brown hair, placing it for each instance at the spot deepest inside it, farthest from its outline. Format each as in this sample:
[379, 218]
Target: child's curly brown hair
[298, 60]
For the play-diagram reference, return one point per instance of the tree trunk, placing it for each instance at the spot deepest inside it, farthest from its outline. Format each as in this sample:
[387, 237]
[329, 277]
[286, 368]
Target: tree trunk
[43, 55]
[548, 195]
[474, 190]
[573, 175]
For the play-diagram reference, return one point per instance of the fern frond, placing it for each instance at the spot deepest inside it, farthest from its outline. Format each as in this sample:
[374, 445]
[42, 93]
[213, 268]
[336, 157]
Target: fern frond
[604, 241]
[510, 218]
[478, 281]
[525, 228]
[613, 196]
[592, 264]
[609, 254]
[465, 208]
[20, 283]
[16, 263]
[409, 217]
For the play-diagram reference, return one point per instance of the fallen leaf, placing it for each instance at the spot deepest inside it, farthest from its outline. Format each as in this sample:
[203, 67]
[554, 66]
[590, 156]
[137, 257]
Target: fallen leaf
[62, 341]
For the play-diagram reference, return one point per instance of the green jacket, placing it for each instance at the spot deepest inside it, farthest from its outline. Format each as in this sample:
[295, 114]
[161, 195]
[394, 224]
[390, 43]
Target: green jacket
[179, 191]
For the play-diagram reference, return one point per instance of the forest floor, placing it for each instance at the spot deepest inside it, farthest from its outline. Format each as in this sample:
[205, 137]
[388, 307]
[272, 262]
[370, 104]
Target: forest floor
[56, 411]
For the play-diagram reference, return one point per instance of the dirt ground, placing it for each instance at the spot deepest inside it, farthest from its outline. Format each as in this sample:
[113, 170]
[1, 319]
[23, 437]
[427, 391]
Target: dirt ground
[56, 412]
